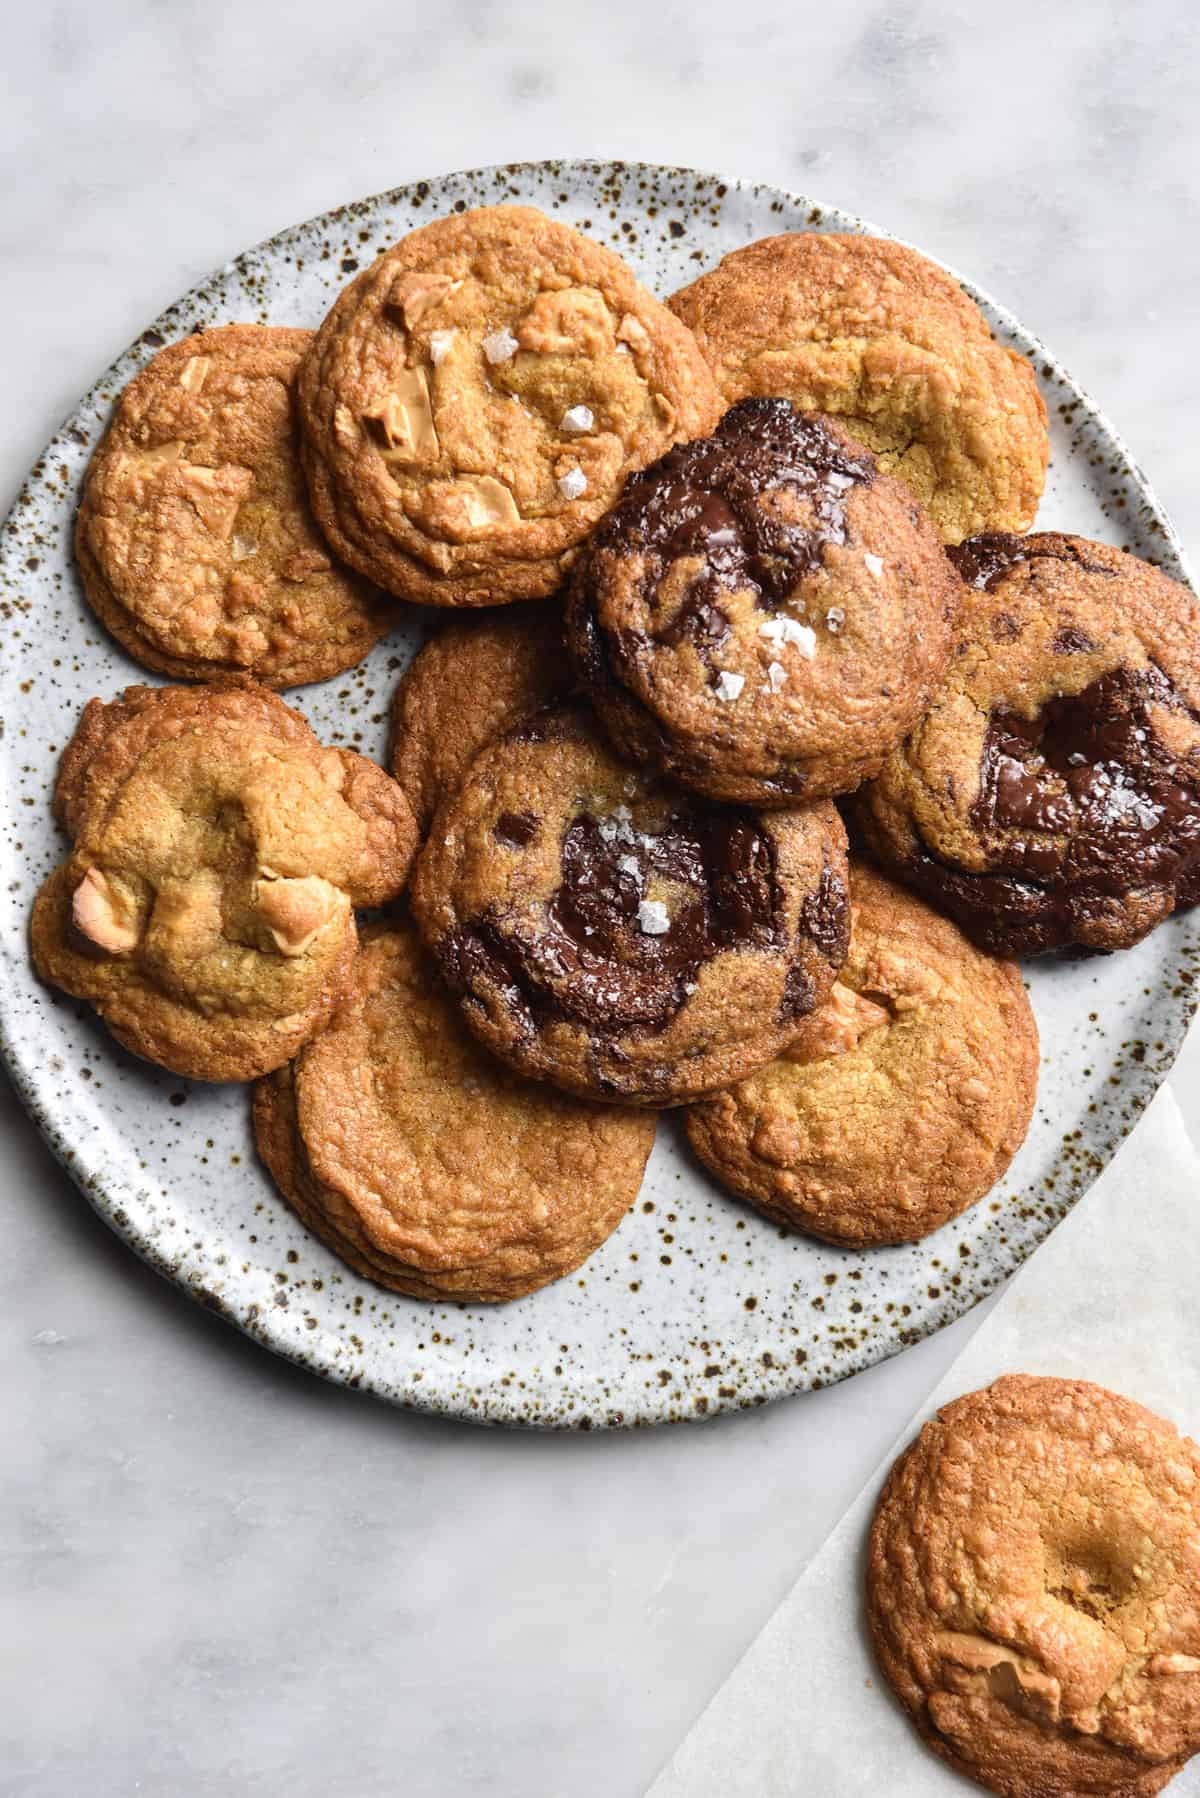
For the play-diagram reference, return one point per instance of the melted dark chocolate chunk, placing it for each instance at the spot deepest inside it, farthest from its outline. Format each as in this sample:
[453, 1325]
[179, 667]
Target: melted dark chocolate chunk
[982, 561]
[593, 956]
[725, 499]
[1079, 809]
[1086, 790]
[515, 828]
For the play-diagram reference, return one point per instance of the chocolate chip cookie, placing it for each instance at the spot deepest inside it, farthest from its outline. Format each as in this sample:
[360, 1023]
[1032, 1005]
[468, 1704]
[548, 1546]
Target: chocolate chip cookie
[900, 1101]
[207, 909]
[610, 935]
[1033, 1590]
[195, 541]
[468, 684]
[885, 340]
[424, 1162]
[475, 399]
[1051, 794]
[765, 614]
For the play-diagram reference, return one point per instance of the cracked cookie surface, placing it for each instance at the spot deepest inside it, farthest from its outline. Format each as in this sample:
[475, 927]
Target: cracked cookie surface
[615, 937]
[1033, 1590]
[195, 539]
[764, 614]
[1051, 793]
[474, 401]
[885, 340]
[900, 1101]
[467, 685]
[207, 909]
[425, 1163]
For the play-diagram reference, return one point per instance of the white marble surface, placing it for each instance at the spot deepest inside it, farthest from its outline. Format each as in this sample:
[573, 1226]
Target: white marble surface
[220, 1576]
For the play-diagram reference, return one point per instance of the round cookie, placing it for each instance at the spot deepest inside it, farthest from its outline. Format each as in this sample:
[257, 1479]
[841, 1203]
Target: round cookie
[765, 614]
[615, 938]
[207, 910]
[1051, 794]
[900, 1102]
[475, 399]
[194, 538]
[467, 685]
[868, 330]
[424, 1162]
[1033, 1590]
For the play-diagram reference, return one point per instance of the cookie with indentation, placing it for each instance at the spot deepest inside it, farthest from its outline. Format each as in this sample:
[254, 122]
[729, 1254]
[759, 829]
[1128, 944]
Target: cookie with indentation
[900, 1101]
[882, 338]
[765, 613]
[479, 675]
[1033, 1590]
[475, 399]
[195, 539]
[1051, 793]
[613, 936]
[424, 1162]
[207, 909]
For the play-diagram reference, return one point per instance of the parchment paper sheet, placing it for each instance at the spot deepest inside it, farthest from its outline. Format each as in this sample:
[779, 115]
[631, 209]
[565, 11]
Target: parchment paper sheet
[1112, 1297]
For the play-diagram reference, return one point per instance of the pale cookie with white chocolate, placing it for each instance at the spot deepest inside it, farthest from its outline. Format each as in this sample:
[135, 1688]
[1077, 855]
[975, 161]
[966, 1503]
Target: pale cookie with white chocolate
[207, 909]
[897, 1104]
[195, 539]
[476, 398]
[1033, 1590]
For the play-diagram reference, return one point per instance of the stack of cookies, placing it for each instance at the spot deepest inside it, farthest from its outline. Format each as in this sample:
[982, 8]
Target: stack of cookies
[734, 577]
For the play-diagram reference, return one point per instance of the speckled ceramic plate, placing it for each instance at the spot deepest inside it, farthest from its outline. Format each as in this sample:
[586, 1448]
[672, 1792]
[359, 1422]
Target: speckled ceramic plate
[696, 1305]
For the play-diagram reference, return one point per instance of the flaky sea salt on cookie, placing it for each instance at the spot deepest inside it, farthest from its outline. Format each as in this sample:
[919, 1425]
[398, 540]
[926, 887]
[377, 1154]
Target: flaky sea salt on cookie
[195, 539]
[424, 1162]
[475, 400]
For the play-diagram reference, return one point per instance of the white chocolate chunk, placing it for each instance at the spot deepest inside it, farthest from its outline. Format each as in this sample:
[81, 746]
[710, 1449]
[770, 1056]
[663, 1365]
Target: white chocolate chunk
[653, 917]
[406, 415]
[195, 373]
[488, 501]
[729, 685]
[573, 484]
[102, 914]
[416, 293]
[500, 346]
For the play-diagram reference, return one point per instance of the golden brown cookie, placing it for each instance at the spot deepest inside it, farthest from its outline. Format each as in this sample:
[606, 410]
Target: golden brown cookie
[207, 910]
[901, 1101]
[1033, 1590]
[195, 540]
[467, 685]
[475, 399]
[423, 1162]
[764, 615]
[877, 335]
[616, 938]
[1051, 793]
